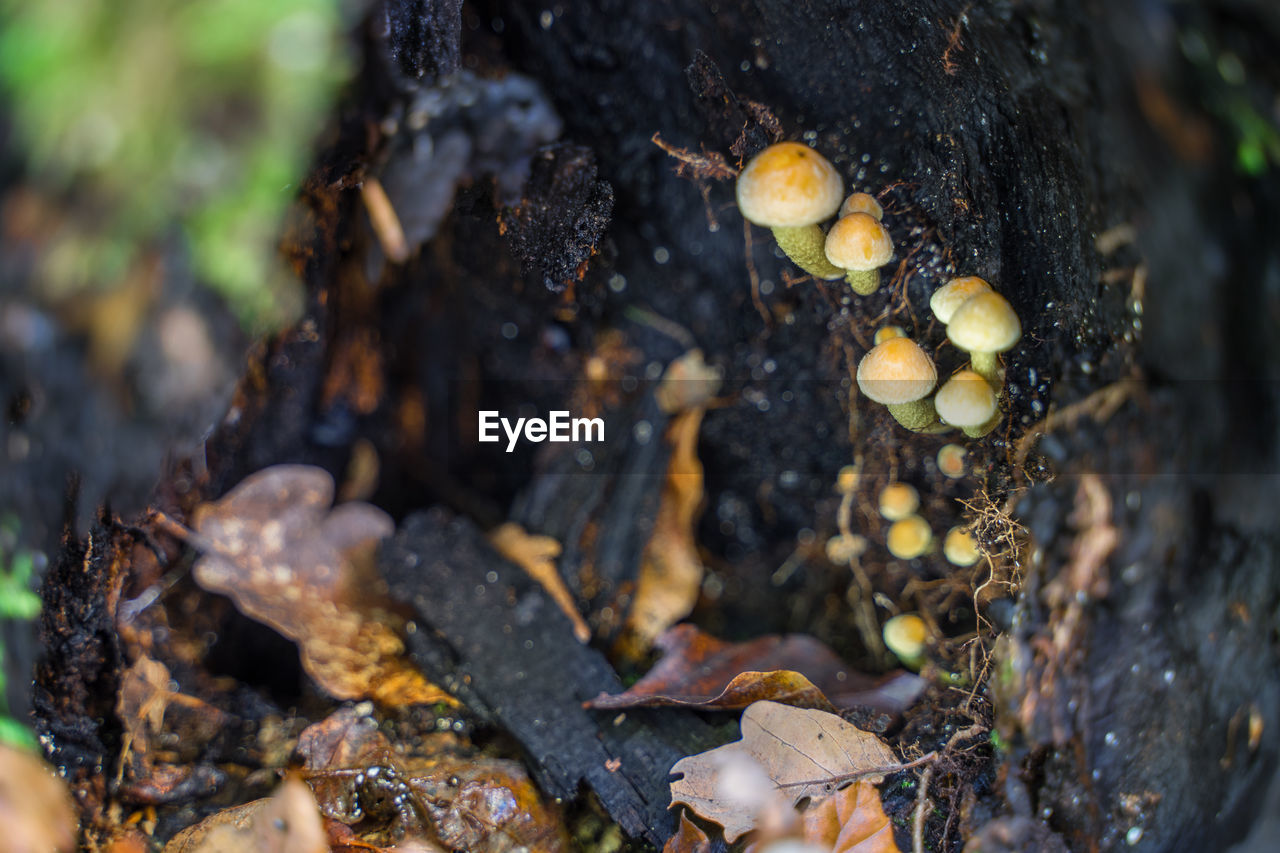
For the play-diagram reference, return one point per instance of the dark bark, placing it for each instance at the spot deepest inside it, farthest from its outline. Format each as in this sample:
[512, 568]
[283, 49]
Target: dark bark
[1003, 139]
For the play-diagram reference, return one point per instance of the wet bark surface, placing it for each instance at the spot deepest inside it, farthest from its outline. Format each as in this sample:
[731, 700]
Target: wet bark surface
[1002, 141]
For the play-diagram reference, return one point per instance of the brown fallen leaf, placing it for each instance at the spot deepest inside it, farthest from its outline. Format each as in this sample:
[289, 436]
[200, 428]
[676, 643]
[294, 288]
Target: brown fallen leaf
[443, 793]
[537, 556]
[689, 838]
[286, 822]
[670, 571]
[36, 812]
[274, 546]
[850, 821]
[699, 670]
[799, 751]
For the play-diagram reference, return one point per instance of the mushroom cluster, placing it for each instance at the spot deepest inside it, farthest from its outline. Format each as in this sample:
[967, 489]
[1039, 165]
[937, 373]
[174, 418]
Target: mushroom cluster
[900, 375]
[982, 323]
[792, 189]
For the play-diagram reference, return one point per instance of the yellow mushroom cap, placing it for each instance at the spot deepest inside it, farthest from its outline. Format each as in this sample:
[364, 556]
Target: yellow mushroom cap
[953, 294]
[861, 203]
[965, 400]
[884, 333]
[898, 500]
[909, 538]
[859, 242]
[951, 460]
[905, 635]
[789, 185]
[896, 371]
[960, 548]
[984, 323]
[842, 549]
[846, 479]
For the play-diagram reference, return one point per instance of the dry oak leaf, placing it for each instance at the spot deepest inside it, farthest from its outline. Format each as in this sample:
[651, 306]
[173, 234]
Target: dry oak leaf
[36, 811]
[697, 669]
[799, 750]
[286, 559]
[286, 822]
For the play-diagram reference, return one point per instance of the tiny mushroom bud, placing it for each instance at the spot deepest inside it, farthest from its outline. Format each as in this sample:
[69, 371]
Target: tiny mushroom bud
[899, 375]
[951, 461]
[884, 333]
[984, 326]
[953, 294]
[790, 188]
[861, 203]
[905, 636]
[861, 245]
[844, 548]
[909, 537]
[847, 479]
[898, 500]
[967, 401]
[960, 548]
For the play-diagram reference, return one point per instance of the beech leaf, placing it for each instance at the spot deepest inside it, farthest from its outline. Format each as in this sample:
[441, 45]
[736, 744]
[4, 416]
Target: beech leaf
[804, 753]
[274, 546]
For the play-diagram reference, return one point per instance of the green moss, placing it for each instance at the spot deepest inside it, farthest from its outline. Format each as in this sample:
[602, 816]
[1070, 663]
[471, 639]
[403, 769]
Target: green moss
[18, 603]
[157, 113]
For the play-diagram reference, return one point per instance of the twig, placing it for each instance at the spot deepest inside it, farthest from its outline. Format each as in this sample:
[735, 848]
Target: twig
[859, 774]
[386, 224]
[922, 803]
[922, 797]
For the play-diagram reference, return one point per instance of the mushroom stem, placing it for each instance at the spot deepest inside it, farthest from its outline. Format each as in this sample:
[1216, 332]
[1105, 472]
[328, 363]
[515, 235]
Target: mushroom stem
[917, 416]
[987, 365]
[863, 282]
[980, 431]
[805, 246]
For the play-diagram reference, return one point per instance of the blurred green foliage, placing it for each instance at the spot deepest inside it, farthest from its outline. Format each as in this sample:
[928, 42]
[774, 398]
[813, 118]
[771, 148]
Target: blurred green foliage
[17, 602]
[150, 114]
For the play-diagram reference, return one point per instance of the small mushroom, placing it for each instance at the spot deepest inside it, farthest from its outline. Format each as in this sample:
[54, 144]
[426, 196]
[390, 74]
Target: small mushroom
[951, 461]
[966, 400]
[984, 326]
[900, 375]
[898, 500]
[960, 548]
[861, 203]
[884, 333]
[847, 479]
[860, 244]
[909, 537]
[790, 188]
[905, 636]
[946, 299]
[842, 549]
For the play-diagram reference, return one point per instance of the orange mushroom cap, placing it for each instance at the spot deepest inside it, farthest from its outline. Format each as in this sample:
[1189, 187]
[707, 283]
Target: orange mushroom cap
[965, 400]
[897, 371]
[946, 299]
[789, 185]
[859, 242]
[861, 203]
